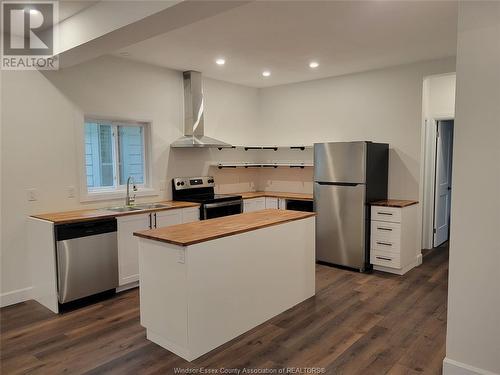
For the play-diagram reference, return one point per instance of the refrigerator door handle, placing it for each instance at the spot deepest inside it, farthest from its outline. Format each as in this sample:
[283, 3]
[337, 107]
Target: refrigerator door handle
[338, 183]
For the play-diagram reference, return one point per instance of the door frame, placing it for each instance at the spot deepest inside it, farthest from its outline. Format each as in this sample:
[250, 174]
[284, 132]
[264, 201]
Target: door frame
[429, 178]
[435, 178]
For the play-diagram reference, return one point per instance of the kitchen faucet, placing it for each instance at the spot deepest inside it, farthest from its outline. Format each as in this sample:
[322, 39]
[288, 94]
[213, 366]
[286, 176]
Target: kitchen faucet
[130, 200]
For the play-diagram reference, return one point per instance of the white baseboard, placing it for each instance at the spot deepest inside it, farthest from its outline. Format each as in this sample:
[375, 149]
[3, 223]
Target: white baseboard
[451, 367]
[400, 271]
[419, 259]
[128, 286]
[15, 296]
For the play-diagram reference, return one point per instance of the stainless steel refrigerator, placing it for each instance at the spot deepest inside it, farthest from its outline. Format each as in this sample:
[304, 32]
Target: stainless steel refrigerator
[347, 177]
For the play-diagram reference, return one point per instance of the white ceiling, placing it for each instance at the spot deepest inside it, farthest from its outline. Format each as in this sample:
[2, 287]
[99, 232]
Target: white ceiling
[283, 36]
[68, 8]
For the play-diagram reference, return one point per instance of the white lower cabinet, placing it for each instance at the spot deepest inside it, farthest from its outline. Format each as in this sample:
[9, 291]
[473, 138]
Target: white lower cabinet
[393, 241]
[190, 214]
[254, 204]
[167, 218]
[271, 202]
[282, 203]
[128, 261]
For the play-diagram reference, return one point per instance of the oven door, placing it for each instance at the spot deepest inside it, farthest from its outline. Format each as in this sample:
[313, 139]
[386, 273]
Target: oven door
[213, 210]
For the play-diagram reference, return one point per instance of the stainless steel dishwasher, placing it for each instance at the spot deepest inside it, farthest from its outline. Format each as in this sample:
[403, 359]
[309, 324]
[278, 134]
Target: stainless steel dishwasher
[87, 258]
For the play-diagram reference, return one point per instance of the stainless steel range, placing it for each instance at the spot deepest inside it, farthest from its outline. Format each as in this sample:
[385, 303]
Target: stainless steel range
[201, 190]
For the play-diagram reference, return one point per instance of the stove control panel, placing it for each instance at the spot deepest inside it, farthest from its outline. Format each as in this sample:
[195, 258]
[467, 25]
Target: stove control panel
[181, 183]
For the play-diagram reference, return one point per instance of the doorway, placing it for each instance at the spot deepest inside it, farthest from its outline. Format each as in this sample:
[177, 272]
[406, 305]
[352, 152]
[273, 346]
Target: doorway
[442, 181]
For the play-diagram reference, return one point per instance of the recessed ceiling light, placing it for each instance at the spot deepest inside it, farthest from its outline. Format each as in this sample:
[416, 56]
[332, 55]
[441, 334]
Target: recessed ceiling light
[220, 61]
[266, 73]
[313, 64]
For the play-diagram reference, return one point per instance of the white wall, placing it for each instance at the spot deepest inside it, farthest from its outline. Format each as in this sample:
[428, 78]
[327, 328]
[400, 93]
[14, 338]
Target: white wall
[473, 337]
[40, 118]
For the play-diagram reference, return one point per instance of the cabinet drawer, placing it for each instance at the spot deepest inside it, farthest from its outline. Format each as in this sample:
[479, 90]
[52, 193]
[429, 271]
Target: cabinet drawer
[386, 245]
[390, 214]
[384, 258]
[384, 230]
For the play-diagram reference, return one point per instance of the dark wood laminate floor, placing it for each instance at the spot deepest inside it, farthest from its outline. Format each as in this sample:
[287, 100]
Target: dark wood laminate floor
[356, 324]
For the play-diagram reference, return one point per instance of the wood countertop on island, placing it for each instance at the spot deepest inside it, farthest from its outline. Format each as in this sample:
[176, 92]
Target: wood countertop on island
[276, 194]
[66, 217]
[206, 230]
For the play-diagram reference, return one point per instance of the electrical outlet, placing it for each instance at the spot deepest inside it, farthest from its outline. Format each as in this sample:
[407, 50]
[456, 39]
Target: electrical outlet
[32, 195]
[71, 191]
[163, 185]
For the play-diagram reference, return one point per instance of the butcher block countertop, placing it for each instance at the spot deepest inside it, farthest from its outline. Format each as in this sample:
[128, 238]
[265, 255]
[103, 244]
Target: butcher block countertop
[400, 203]
[66, 217]
[275, 194]
[206, 230]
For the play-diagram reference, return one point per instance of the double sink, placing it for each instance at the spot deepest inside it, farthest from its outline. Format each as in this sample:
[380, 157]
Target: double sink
[138, 207]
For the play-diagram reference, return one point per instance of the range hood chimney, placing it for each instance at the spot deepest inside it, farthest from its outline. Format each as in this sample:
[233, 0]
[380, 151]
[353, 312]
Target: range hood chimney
[194, 135]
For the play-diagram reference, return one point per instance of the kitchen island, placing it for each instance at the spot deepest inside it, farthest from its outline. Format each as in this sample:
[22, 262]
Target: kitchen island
[205, 283]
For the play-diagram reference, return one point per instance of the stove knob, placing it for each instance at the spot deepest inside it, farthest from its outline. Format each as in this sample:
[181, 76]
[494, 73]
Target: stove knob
[178, 183]
[210, 181]
[182, 183]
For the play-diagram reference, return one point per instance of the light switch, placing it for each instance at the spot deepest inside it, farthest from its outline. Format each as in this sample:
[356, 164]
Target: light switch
[163, 185]
[71, 191]
[32, 195]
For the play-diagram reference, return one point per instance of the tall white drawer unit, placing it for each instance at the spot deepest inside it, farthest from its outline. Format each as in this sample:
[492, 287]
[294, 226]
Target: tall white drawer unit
[394, 243]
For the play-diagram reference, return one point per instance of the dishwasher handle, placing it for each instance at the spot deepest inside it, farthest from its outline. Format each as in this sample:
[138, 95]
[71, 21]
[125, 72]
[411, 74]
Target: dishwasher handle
[84, 229]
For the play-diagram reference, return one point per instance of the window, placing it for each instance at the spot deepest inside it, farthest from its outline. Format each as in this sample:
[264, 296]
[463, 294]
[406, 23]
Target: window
[114, 151]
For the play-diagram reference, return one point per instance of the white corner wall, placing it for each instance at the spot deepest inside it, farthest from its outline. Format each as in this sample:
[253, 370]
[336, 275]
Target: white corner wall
[40, 117]
[473, 336]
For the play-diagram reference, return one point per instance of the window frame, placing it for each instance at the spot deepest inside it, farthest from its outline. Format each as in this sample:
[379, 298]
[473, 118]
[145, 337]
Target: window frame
[117, 191]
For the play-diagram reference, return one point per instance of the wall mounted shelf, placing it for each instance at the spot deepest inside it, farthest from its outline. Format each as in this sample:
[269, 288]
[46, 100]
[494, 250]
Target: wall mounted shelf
[269, 147]
[265, 165]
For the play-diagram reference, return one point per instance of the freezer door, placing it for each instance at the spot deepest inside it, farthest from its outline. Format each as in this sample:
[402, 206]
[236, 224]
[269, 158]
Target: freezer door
[340, 224]
[340, 162]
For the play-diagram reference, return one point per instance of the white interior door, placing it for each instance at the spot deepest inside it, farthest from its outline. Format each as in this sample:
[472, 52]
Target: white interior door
[442, 199]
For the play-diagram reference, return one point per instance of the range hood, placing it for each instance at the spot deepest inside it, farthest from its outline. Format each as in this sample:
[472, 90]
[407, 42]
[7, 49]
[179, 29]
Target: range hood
[194, 135]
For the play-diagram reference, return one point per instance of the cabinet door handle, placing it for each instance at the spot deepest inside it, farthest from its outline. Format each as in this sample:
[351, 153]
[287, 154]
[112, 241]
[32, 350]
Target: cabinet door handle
[384, 243]
[384, 213]
[155, 220]
[382, 228]
[383, 258]
[150, 221]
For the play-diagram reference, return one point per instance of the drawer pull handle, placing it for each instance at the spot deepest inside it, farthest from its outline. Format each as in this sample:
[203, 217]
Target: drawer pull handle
[382, 228]
[385, 213]
[383, 258]
[384, 243]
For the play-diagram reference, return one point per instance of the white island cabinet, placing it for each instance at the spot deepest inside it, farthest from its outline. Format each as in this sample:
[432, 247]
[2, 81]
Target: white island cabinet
[205, 283]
